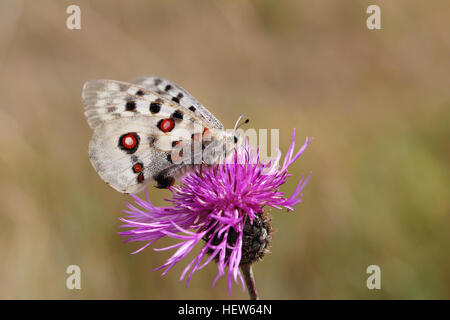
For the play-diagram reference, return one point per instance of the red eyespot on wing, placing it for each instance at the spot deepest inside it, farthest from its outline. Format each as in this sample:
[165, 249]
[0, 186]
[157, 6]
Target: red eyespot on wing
[176, 157]
[177, 144]
[129, 142]
[140, 178]
[207, 134]
[137, 167]
[166, 125]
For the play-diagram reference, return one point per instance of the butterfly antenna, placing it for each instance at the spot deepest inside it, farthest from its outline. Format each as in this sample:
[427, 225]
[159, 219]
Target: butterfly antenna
[238, 125]
[237, 121]
[245, 122]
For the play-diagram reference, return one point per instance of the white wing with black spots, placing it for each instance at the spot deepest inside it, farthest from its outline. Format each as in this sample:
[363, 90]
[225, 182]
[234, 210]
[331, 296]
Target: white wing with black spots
[172, 91]
[127, 154]
[149, 130]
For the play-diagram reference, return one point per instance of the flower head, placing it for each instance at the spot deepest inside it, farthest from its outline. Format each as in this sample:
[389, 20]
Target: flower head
[217, 206]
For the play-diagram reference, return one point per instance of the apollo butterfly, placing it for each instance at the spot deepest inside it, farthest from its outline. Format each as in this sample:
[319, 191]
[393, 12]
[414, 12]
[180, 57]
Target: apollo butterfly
[151, 129]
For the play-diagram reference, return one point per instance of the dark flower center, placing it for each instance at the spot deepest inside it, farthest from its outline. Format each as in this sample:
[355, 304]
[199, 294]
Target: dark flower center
[255, 241]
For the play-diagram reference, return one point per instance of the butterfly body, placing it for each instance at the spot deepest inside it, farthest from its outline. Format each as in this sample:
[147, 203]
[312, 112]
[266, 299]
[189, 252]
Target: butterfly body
[150, 129]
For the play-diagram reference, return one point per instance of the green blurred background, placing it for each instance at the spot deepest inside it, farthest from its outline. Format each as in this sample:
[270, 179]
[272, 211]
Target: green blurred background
[376, 102]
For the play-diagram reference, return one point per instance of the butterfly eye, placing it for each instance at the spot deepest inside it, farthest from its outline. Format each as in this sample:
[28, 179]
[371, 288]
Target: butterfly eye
[235, 139]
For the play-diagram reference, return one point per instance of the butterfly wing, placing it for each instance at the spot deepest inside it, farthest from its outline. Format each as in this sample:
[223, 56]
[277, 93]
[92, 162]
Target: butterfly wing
[135, 133]
[121, 153]
[173, 92]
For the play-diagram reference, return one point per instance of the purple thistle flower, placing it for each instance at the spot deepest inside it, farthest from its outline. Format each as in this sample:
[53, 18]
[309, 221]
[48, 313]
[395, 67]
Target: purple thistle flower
[214, 206]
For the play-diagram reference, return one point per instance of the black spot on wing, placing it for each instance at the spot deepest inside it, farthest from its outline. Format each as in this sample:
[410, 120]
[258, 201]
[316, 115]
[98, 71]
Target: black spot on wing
[178, 115]
[178, 98]
[155, 106]
[130, 106]
[163, 180]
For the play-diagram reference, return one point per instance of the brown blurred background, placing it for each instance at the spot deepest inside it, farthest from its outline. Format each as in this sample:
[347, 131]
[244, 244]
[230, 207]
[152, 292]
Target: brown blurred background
[376, 102]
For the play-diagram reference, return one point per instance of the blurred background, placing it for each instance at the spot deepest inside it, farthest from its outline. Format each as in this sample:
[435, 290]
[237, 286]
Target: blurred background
[376, 102]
